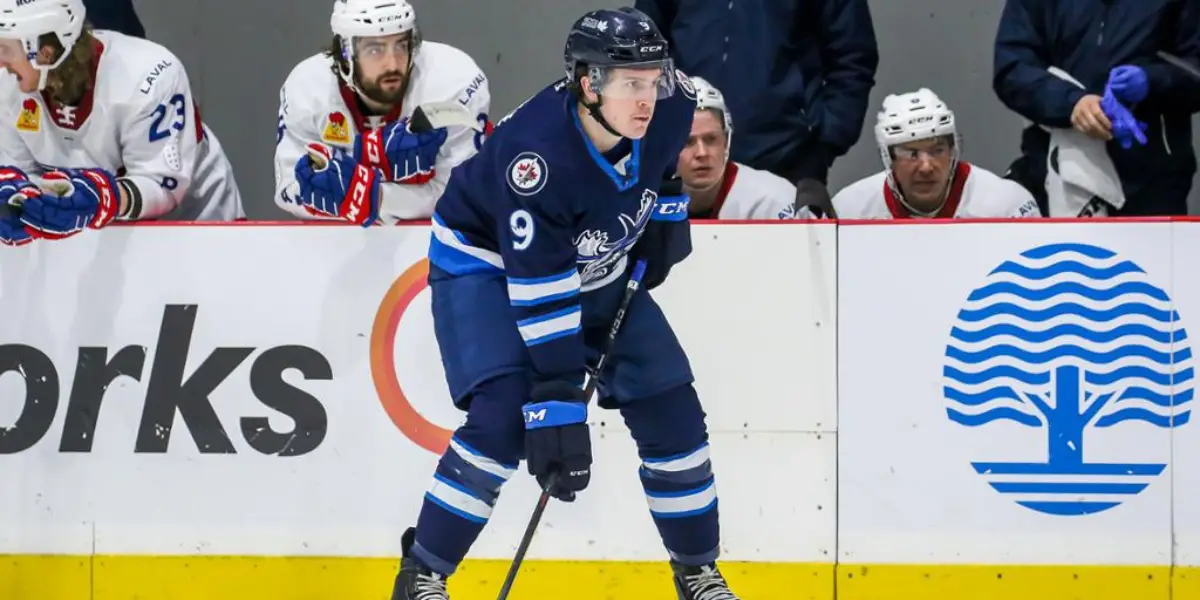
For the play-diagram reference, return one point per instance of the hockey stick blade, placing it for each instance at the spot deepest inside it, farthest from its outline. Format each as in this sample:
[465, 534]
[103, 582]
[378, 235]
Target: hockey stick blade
[639, 271]
[1186, 66]
[436, 115]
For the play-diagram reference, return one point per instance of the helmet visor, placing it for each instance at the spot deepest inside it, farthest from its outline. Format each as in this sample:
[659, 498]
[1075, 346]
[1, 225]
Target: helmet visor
[651, 80]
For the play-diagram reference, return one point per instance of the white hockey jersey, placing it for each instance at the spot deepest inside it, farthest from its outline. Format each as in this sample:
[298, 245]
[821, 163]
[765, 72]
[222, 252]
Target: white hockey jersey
[747, 193]
[317, 107]
[139, 121]
[975, 194]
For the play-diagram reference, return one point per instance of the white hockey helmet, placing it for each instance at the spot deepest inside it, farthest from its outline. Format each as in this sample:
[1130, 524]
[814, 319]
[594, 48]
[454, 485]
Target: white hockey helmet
[708, 97]
[370, 18]
[28, 20]
[914, 116]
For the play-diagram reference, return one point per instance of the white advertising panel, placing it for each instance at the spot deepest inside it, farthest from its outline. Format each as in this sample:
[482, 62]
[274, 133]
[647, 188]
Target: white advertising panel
[277, 390]
[1186, 454]
[1005, 393]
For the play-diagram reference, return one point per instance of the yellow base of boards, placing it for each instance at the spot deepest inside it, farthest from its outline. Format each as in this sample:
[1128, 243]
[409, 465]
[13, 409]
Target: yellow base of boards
[317, 578]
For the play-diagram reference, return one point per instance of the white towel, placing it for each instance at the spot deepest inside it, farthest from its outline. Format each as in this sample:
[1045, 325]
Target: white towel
[1079, 170]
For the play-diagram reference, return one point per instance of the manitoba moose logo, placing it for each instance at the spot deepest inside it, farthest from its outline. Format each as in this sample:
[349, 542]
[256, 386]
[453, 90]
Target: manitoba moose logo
[1077, 343]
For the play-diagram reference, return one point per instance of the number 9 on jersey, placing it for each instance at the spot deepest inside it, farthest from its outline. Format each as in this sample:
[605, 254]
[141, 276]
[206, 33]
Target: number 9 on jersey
[521, 225]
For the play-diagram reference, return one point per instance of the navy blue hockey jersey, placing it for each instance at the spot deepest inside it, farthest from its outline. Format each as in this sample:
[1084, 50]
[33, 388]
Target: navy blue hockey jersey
[542, 207]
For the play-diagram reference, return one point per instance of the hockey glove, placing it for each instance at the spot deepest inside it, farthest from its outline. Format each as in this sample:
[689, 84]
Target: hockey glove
[403, 156]
[1125, 128]
[332, 184]
[12, 231]
[15, 186]
[1129, 84]
[558, 445]
[667, 239]
[72, 200]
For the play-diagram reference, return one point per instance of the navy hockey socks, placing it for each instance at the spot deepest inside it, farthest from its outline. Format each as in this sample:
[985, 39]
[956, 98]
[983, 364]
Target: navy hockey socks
[457, 505]
[682, 495]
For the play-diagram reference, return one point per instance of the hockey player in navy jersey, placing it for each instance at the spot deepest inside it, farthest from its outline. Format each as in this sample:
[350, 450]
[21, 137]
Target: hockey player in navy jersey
[533, 241]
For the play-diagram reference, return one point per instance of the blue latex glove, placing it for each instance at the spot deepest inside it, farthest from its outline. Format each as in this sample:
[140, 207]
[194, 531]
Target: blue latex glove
[403, 156]
[332, 184]
[558, 445]
[1128, 83]
[1125, 128]
[83, 198]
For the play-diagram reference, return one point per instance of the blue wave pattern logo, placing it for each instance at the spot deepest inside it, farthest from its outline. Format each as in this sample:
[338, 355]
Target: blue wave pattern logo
[1068, 338]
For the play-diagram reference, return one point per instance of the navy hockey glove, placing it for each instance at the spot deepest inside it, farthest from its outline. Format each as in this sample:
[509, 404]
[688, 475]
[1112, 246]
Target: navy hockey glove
[403, 156]
[667, 239]
[332, 184]
[71, 201]
[558, 445]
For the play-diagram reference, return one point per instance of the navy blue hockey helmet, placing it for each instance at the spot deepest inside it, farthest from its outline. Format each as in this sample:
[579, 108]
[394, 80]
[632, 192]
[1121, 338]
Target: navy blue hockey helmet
[622, 38]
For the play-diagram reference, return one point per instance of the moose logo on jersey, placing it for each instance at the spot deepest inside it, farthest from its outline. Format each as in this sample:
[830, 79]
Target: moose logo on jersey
[598, 253]
[30, 118]
[336, 129]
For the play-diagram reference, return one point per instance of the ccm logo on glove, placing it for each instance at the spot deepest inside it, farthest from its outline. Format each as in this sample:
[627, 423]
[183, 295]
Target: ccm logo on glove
[373, 149]
[107, 211]
[360, 194]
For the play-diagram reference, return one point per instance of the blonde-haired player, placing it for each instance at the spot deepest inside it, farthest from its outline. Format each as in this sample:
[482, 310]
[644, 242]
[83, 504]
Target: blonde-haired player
[720, 188]
[100, 126]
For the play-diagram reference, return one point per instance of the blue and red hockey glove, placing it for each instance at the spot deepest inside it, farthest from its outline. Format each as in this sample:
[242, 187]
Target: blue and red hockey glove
[81, 198]
[403, 156]
[333, 184]
[15, 188]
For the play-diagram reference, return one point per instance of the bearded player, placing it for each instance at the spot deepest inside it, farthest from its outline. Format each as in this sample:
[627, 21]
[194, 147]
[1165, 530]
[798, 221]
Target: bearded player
[352, 106]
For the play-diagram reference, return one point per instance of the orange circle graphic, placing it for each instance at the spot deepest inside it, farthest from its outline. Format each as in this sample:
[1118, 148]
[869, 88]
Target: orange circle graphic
[383, 361]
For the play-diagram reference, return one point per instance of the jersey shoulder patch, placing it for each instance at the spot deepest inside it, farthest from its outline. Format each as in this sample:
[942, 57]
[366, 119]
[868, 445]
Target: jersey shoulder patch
[527, 173]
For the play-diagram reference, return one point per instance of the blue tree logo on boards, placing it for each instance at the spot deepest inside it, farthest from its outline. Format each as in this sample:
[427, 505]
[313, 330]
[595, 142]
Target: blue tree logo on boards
[1073, 340]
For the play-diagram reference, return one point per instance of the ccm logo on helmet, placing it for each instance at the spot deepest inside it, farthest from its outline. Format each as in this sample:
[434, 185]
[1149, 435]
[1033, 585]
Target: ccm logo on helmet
[654, 48]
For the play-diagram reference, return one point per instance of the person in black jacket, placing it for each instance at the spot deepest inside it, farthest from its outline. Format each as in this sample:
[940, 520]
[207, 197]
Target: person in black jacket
[115, 15]
[1098, 43]
[796, 75]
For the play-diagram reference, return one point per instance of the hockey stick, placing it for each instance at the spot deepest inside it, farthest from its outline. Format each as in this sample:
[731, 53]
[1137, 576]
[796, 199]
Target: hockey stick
[639, 270]
[1187, 67]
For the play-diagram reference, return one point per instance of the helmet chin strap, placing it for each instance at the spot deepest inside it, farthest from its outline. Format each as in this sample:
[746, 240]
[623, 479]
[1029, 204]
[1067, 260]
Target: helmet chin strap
[593, 109]
[43, 76]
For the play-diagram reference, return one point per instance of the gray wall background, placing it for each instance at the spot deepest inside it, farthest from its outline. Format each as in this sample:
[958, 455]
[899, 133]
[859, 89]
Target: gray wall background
[237, 63]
